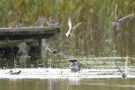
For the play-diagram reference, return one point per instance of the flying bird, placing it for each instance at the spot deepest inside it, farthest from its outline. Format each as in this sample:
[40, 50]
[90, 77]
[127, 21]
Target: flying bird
[70, 27]
[75, 66]
[55, 52]
[123, 73]
[40, 22]
[118, 22]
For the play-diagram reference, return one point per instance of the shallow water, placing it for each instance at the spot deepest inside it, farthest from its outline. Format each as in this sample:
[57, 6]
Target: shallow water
[73, 83]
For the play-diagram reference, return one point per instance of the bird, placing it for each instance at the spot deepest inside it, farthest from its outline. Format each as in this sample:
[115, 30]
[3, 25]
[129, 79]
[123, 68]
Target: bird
[10, 72]
[17, 73]
[75, 66]
[68, 34]
[55, 52]
[40, 22]
[15, 24]
[118, 22]
[124, 74]
[13, 73]
[53, 22]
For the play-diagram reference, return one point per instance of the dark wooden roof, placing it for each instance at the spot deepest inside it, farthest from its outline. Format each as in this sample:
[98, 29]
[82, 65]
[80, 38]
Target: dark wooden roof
[28, 32]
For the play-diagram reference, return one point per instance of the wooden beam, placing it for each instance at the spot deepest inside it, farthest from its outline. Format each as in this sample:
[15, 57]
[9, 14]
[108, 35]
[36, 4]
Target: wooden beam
[28, 32]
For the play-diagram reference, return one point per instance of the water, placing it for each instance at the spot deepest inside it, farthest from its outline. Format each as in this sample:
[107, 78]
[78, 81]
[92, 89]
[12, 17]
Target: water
[68, 84]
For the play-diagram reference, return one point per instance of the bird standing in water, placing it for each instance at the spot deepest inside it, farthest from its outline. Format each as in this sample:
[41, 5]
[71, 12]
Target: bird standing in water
[124, 74]
[118, 22]
[75, 66]
[68, 34]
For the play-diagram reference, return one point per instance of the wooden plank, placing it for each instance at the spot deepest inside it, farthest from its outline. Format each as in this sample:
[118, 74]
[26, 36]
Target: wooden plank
[28, 32]
[29, 28]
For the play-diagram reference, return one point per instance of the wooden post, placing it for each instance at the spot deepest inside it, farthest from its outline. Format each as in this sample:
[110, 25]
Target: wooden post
[40, 52]
[43, 50]
[25, 33]
[23, 53]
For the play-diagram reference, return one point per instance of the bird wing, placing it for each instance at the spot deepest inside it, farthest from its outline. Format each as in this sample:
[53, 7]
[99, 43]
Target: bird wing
[65, 56]
[49, 48]
[72, 60]
[116, 13]
[78, 24]
[42, 20]
[70, 27]
[126, 66]
[130, 16]
[69, 23]
[117, 66]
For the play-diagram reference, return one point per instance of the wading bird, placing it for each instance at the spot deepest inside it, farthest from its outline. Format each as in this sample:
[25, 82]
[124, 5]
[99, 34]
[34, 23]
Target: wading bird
[124, 74]
[15, 24]
[53, 22]
[40, 22]
[75, 66]
[118, 22]
[68, 34]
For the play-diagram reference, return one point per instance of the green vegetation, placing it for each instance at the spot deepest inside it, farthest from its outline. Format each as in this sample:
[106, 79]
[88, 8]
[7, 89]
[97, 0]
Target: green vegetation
[95, 36]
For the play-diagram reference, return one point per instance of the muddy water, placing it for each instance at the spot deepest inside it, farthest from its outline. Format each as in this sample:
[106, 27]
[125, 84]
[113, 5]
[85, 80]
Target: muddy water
[68, 84]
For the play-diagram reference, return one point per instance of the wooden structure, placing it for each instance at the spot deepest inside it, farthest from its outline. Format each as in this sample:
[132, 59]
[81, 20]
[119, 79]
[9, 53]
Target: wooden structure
[24, 33]
[28, 32]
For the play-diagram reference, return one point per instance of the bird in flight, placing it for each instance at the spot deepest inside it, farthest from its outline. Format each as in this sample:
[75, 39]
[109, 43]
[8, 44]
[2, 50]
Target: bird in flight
[70, 27]
[118, 22]
[55, 52]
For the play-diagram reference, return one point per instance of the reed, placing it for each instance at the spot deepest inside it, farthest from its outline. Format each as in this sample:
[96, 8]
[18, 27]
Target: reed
[90, 38]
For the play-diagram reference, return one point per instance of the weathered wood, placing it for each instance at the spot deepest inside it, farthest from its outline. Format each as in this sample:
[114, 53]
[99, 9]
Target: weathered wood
[28, 32]
[16, 42]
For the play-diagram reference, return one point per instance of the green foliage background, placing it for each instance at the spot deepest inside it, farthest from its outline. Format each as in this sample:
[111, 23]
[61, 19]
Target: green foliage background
[95, 36]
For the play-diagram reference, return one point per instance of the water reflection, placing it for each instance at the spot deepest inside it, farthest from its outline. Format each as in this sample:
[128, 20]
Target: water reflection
[74, 81]
[67, 84]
